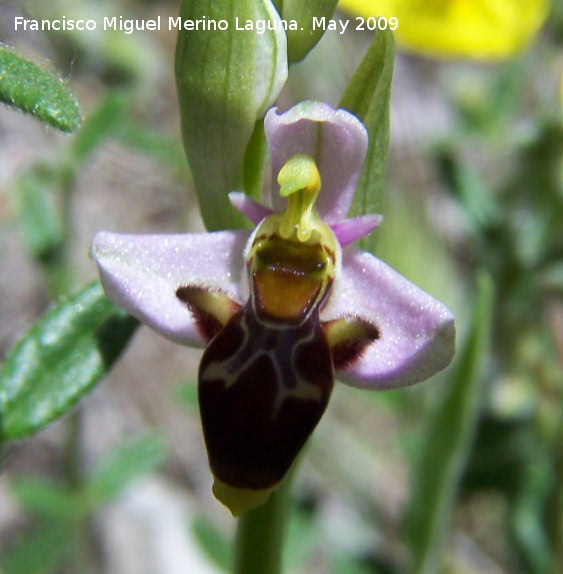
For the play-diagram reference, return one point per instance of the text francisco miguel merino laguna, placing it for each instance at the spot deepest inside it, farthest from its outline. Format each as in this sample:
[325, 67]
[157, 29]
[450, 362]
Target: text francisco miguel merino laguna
[174, 23]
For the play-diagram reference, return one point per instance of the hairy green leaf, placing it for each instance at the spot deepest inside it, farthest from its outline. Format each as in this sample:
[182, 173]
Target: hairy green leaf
[60, 359]
[34, 90]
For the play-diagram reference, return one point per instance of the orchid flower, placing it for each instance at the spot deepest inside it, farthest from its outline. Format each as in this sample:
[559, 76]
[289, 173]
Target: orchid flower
[283, 309]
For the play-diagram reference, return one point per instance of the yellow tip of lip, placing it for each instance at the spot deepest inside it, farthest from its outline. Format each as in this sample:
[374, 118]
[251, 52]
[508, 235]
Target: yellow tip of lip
[240, 500]
[300, 173]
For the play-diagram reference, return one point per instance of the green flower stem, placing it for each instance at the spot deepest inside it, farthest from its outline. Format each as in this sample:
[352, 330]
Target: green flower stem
[60, 281]
[82, 557]
[73, 463]
[261, 534]
[557, 531]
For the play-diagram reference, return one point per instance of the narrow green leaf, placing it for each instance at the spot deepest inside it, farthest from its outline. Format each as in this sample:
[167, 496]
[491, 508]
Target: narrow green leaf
[527, 516]
[368, 95]
[40, 552]
[302, 536]
[100, 124]
[475, 195]
[124, 464]
[226, 80]
[255, 156]
[154, 144]
[305, 12]
[186, 394]
[350, 564]
[44, 498]
[34, 90]
[213, 542]
[60, 359]
[38, 212]
[448, 443]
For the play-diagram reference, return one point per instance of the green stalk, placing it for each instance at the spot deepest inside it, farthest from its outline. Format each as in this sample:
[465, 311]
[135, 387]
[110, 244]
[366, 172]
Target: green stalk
[261, 534]
[557, 533]
[60, 280]
[83, 560]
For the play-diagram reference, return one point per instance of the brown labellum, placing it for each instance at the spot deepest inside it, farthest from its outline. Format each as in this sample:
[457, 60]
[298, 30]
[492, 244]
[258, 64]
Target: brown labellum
[262, 390]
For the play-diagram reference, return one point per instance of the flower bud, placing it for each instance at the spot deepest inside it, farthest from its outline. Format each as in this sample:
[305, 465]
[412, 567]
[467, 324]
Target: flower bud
[227, 77]
[302, 39]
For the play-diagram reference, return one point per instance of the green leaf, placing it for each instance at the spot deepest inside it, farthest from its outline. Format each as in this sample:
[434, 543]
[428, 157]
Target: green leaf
[253, 166]
[124, 464]
[100, 124]
[40, 552]
[213, 542]
[154, 144]
[448, 442]
[226, 80]
[186, 394]
[44, 498]
[34, 90]
[350, 564]
[536, 482]
[476, 197]
[368, 95]
[38, 212]
[60, 359]
[301, 41]
[112, 118]
[302, 535]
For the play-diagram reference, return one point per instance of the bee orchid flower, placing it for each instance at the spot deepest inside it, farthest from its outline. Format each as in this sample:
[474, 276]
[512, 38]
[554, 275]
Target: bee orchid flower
[284, 309]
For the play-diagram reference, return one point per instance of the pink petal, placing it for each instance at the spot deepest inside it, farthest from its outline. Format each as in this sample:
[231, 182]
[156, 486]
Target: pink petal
[417, 334]
[336, 139]
[351, 230]
[141, 273]
[251, 209]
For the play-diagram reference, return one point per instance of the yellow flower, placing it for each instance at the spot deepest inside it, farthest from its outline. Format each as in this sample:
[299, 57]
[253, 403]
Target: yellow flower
[482, 29]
